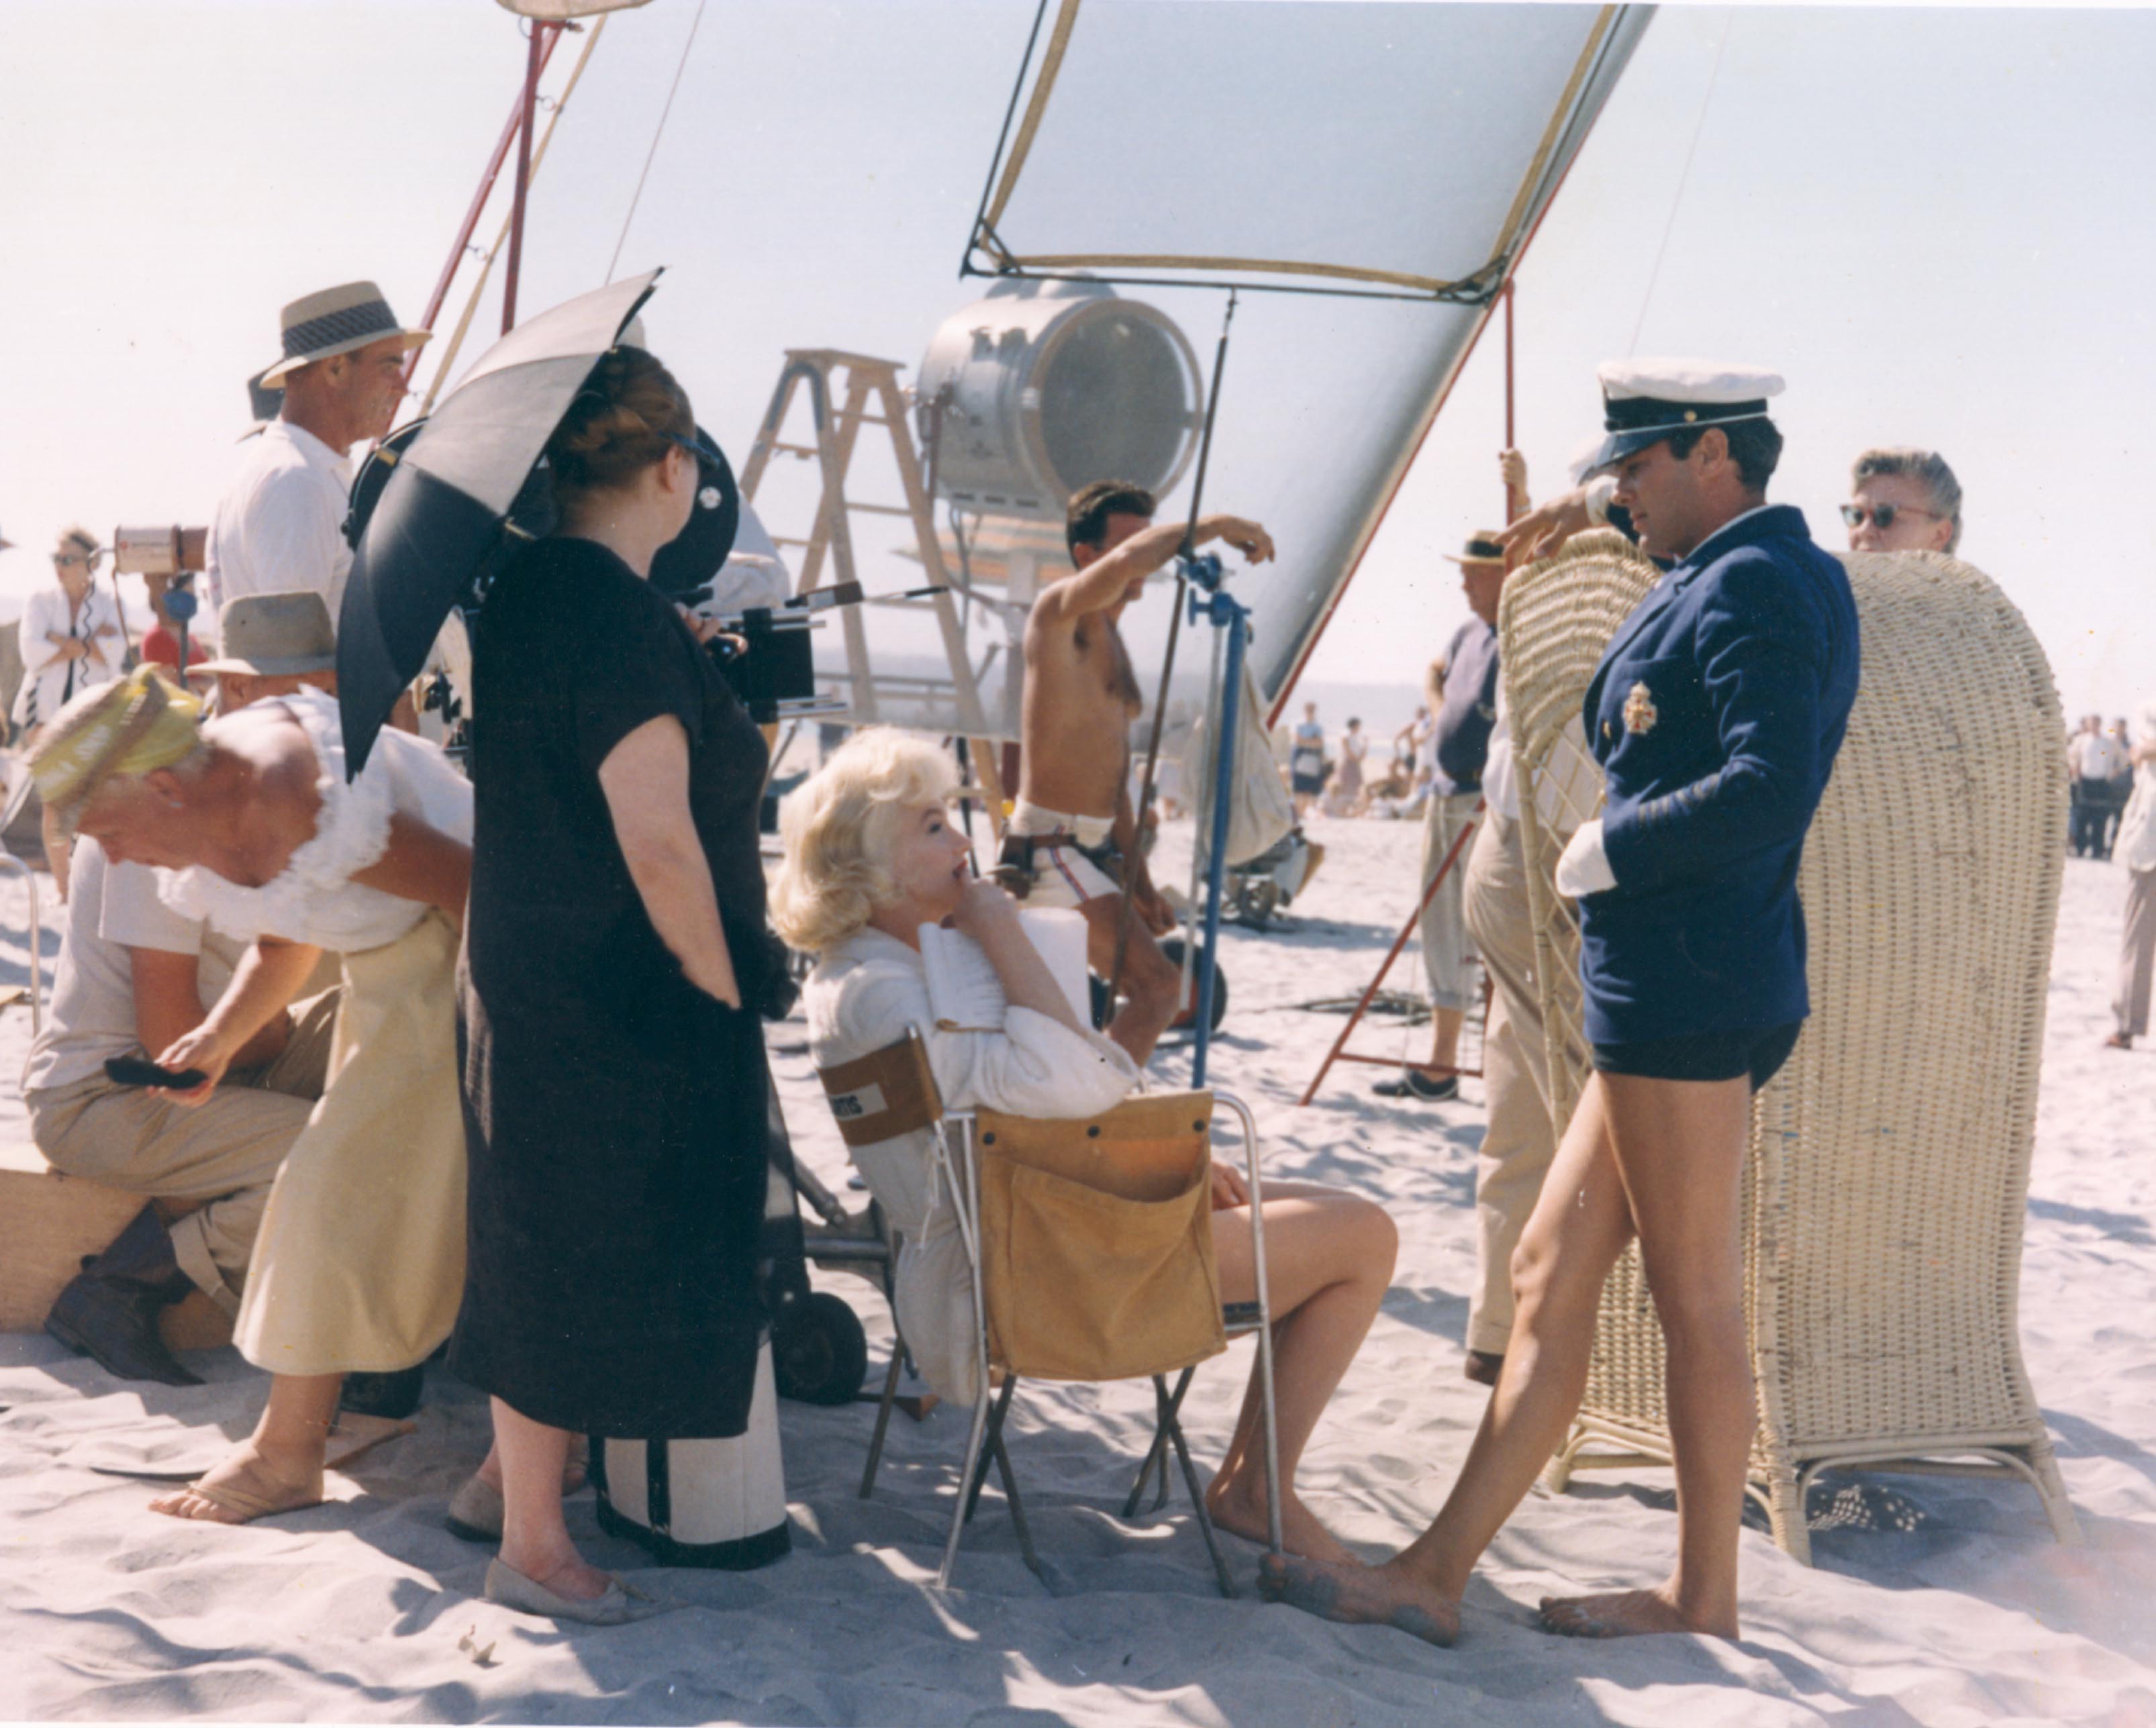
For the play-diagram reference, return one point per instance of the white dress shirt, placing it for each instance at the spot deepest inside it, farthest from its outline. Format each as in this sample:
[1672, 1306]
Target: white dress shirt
[279, 527]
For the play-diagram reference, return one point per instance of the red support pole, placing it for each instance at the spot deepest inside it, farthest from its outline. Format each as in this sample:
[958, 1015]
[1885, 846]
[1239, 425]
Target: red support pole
[534, 60]
[1400, 941]
[509, 130]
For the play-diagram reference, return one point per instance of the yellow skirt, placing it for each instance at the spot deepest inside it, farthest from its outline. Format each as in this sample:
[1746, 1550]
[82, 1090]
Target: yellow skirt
[360, 1263]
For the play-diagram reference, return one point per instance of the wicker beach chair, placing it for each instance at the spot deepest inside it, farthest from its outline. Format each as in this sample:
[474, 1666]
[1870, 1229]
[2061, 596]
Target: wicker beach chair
[1890, 1158]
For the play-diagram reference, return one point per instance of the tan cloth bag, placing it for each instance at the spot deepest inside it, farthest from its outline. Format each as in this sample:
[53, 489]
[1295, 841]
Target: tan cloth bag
[1098, 1259]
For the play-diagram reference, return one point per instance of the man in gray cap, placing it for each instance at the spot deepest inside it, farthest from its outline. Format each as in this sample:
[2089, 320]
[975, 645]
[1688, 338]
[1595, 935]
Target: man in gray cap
[274, 644]
[279, 525]
[134, 975]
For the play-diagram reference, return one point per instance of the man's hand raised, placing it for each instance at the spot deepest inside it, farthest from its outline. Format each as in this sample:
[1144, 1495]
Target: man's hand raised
[1548, 526]
[1248, 538]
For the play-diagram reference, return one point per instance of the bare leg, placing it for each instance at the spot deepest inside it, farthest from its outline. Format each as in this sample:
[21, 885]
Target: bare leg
[1681, 1146]
[535, 1539]
[276, 1469]
[1444, 1039]
[1152, 989]
[1329, 1256]
[1579, 1226]
[59, 848]
[575, 1468]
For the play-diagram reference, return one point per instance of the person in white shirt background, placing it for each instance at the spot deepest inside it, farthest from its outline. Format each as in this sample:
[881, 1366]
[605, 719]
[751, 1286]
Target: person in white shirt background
[2136, 848]
[280, 526]
[71, 639]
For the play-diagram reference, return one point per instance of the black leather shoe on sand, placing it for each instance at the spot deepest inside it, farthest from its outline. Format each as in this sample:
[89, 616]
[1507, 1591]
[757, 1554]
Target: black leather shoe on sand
[1412, 1084]
[110, 1312]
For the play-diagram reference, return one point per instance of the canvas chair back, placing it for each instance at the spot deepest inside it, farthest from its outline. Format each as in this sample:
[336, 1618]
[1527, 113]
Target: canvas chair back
[1097, 1236]
[885, 1093]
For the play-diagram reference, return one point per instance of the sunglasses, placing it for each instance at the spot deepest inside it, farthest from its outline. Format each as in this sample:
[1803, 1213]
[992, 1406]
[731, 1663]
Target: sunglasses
[66, 559]
[1882, 515]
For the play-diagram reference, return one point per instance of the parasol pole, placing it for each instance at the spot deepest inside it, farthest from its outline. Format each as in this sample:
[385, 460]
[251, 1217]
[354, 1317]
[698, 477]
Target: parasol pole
[534, 58]
[1189, 551]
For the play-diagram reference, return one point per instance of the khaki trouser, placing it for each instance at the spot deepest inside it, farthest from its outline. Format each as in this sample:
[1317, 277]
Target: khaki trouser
[223, 1152]
[2136, 954]
[1519, 1143]
[1447, 955]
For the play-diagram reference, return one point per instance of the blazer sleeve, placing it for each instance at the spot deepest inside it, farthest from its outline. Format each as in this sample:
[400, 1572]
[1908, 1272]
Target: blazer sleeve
[1761, 656]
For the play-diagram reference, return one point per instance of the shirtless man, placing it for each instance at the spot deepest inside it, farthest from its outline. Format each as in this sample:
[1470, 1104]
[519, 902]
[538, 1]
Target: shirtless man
[1073, 837]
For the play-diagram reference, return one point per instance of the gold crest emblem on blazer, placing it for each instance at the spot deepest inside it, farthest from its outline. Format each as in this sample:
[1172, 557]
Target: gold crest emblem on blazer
[1641, 713]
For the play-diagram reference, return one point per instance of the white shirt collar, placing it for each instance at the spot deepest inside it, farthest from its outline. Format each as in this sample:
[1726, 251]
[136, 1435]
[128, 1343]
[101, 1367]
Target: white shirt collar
[318, 453]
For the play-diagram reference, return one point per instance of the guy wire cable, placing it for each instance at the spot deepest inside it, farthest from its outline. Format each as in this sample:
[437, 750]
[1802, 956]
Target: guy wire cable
[1684, 179]
[657, 133]
[1168, 662]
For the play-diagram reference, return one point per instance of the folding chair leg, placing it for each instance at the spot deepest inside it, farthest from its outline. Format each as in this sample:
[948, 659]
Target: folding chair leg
[1165, 1406]
[959, 1511]
[883, 1418]
[1197, 1505]
[994, 1438]
[1001, 1456]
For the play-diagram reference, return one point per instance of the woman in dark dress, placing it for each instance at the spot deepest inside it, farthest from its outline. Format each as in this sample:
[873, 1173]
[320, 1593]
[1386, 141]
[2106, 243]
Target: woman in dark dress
[614, 1084]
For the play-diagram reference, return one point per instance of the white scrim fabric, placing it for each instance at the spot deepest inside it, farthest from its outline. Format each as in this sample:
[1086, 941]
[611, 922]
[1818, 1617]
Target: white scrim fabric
[1404, 146]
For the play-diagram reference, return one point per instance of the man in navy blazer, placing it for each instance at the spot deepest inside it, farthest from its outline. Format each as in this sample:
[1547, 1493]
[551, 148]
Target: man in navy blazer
[1715, 714]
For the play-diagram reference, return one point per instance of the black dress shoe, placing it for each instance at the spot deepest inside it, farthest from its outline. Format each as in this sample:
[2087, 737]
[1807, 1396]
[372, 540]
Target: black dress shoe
[109, 1313]
[1413, 1083]
[1483, 1366]
[395, 1394]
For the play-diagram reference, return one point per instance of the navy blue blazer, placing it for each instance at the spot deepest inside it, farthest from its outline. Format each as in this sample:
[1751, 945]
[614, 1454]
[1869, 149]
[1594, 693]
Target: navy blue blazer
[1715, 714]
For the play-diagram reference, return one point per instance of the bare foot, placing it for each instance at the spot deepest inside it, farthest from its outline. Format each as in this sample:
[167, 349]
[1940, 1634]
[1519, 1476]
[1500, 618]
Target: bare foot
[1627, 1613]
[1369, 1596]
[1241, 1511]
[244, 1487]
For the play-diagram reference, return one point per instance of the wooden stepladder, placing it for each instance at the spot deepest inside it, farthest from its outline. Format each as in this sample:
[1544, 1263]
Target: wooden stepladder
[868, 394]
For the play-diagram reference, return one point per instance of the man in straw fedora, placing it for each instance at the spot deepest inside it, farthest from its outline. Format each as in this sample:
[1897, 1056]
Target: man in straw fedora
[135, 975]
[279, 525]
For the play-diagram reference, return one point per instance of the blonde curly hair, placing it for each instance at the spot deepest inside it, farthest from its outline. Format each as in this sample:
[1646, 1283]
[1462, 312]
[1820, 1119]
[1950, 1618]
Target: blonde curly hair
[838, 827]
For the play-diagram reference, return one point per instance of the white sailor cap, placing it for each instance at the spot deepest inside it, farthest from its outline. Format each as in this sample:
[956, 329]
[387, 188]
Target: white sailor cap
[1644, 401]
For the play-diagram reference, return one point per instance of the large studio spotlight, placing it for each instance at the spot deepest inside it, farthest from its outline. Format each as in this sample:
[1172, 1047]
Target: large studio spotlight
[1043, 387]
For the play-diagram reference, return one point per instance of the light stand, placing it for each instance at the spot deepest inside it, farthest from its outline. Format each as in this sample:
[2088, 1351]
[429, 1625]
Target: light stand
[1210, 602]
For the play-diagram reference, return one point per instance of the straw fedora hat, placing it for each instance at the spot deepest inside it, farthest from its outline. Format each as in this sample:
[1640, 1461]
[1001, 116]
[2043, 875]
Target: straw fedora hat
[1483, 547]
[336, 321]
[272, 636]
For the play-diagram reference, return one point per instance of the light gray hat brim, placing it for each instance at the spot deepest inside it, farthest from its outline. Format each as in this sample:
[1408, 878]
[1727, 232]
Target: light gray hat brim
[282, 666]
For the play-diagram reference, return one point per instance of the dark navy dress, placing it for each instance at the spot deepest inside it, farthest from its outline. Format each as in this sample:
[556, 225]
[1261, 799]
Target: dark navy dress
[1717, 713]
[615, 1113]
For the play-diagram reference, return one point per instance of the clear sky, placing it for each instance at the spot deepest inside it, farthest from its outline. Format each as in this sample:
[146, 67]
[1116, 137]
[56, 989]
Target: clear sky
[1936, 223]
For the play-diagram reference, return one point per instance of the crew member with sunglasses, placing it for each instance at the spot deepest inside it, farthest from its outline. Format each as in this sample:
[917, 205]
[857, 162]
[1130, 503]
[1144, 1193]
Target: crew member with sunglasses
[1905, 500]
[71, 639]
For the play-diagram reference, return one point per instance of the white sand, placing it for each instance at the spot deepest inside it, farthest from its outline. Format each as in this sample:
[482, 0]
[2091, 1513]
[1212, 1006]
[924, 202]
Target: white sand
[1934, 1601]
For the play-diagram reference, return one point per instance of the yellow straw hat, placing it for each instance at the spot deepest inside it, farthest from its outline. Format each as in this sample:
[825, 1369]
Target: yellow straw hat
[131, 726]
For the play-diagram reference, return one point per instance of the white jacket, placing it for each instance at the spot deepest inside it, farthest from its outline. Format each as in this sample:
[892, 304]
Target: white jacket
[2135, 845]
[864, 993]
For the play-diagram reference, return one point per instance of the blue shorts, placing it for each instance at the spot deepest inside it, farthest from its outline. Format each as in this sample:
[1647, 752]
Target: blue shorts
[1758, 1053]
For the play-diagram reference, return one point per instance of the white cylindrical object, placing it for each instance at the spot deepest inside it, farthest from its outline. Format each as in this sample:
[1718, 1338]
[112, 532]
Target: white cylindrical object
[707, 1502]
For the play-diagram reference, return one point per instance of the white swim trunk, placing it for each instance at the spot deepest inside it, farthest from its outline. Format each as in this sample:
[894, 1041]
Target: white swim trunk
[1065, 874]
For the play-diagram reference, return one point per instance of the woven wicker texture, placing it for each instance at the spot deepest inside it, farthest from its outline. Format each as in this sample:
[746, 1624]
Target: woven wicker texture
[1890, 1158]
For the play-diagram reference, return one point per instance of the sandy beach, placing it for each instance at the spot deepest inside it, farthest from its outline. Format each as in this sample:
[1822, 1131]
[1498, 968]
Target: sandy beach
[1933, 1601]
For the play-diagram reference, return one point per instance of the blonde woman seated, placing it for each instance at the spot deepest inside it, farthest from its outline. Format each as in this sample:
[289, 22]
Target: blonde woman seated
[359, 1262]
[871, 855]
